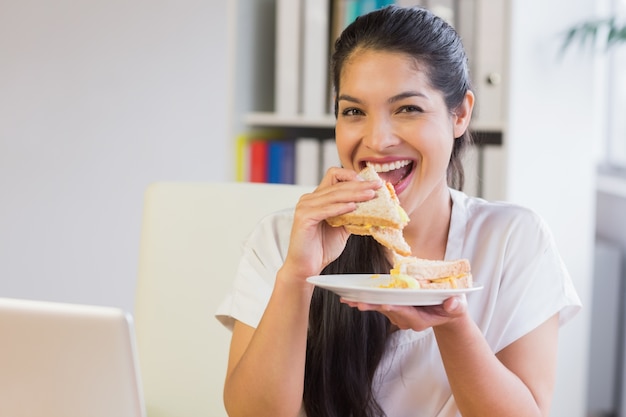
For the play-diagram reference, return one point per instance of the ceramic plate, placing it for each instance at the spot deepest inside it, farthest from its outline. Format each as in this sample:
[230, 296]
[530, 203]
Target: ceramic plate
[367, 288]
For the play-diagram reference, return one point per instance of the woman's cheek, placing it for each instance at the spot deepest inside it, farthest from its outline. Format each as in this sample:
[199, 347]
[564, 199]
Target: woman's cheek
[346, 140]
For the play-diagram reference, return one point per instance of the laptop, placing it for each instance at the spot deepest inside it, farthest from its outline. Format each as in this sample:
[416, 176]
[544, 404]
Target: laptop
[67, 360]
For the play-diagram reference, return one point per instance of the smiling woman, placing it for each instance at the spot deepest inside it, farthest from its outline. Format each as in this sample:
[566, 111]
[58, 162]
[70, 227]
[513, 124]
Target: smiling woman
[404, 104]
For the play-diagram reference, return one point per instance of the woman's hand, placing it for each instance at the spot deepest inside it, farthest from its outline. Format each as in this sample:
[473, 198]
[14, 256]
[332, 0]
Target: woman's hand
[314, 243]
[419, 318]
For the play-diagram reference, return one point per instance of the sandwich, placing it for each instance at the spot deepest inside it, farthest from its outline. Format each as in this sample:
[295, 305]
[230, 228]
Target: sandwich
[412, 272]
[381, 217]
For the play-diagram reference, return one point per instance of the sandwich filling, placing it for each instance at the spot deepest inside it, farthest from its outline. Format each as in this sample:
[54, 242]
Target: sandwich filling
[412, 272]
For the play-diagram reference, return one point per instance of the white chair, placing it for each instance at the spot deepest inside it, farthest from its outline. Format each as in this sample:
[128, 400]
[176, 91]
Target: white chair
[190, 245]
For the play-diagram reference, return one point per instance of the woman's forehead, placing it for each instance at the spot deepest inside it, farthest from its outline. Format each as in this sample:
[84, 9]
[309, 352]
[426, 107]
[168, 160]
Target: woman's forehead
[369, 65]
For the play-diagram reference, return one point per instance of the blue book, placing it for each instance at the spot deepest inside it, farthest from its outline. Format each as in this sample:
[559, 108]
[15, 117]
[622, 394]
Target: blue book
[274, 164]
[281, 157]
[351, 11]
[366, 6]
[288, 172]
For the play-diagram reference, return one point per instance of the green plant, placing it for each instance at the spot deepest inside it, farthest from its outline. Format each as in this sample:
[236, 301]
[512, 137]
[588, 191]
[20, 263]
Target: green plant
[608, 31]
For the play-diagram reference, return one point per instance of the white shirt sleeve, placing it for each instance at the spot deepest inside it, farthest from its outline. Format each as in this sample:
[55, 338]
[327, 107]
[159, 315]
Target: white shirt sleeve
[513, 254]
[535, 285]
[263, 253]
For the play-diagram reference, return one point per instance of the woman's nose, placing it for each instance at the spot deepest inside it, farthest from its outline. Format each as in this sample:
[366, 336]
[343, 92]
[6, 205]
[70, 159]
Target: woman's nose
[379, 134]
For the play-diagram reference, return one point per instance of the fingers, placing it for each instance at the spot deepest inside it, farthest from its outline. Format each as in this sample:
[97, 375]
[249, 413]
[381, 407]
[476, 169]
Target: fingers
[417, 317]
[452, 305]
[338, 194]
[334, 175]
[455, 306]
[313, 242]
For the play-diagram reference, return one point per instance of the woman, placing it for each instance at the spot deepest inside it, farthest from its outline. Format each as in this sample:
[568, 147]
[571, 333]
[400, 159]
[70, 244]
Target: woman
[403, 105]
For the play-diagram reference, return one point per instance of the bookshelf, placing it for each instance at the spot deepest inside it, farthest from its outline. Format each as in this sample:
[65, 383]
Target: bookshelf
[284, 89]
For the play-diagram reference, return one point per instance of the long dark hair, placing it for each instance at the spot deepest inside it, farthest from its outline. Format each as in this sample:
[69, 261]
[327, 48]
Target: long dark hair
[344, 345]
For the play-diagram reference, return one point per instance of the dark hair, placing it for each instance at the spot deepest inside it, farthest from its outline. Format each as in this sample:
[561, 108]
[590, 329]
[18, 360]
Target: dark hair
[344, 345]
[430, 41]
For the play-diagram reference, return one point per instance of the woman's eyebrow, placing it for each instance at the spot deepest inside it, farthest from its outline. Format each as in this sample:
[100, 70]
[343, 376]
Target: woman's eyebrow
[397, 97]
[406, 94]
[348, 98]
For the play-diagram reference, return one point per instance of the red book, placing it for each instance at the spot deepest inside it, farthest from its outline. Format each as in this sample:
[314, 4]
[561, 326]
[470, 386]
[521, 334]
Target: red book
[258, 161]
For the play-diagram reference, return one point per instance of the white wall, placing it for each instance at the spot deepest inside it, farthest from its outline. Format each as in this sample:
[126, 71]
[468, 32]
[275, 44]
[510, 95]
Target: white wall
[550, 164]
[97, 100]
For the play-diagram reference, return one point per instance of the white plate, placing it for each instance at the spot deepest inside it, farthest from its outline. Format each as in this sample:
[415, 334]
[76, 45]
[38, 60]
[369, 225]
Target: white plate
[366, 288]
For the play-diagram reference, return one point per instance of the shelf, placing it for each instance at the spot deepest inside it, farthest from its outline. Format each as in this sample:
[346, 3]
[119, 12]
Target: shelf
[277, 120]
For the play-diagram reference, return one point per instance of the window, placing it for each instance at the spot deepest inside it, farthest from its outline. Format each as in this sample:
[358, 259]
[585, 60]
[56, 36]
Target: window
[615, 149]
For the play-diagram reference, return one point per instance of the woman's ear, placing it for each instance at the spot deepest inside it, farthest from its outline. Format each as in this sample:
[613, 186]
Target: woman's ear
[463, 114]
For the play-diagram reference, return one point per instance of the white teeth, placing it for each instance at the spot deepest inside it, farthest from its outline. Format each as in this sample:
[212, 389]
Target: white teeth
[388, 166]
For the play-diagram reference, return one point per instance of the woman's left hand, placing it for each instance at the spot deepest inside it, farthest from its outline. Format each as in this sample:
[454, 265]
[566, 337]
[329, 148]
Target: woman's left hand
[418, 318]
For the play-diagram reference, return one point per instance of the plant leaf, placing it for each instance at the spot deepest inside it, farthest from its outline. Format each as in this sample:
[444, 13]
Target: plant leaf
[589, 32]
[616, 35]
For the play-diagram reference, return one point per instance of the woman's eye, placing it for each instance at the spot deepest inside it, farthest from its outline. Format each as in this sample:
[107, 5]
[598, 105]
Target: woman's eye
[351, 111]
[410, 109]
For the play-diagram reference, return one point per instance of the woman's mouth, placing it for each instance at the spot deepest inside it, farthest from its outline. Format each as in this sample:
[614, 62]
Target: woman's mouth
[393, 172]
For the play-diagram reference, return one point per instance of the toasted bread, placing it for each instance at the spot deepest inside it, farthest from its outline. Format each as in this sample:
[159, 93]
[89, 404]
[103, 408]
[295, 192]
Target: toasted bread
[381, 217]
[382, 210]
[412, 272]
[387, 236]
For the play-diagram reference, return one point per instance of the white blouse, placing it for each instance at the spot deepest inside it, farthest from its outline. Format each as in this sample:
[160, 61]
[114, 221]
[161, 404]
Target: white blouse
[513, 256]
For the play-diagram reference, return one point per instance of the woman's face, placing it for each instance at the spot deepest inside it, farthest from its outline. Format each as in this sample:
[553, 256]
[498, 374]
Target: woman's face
[390, 117]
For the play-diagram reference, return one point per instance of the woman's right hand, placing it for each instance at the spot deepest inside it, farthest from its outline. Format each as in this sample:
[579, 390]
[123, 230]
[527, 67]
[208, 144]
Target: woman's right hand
[314, 243]
[265, 374]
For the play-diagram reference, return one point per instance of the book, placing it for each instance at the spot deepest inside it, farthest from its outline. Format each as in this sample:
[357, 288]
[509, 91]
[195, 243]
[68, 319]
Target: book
[307, 161]
[280, 162]
[315, 60]
[338, 12]
[288, 57]
[258, 160]
[383, 3]
[351, 12]
[288, 163]
[366, 6]
[242, 158]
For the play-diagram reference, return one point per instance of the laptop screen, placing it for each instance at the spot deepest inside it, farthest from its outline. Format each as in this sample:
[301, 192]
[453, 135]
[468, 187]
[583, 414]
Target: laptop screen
[67, 360]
